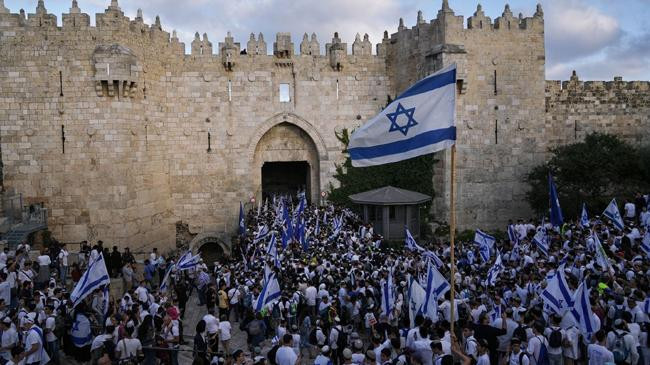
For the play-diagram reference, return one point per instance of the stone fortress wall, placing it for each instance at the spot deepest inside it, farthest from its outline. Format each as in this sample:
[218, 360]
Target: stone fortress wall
[121, 134]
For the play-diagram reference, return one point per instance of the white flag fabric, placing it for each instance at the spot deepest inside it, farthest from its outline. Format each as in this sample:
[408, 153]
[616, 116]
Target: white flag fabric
[494, 272]
[270, 292]
[584, 218]
[416, 296]
[419, 121]
[437, 286]
[388, 295]
[645, 244]
[557, 294]
[95, 277]
[485, 242]
[409, 242]
[612, 213]
[582, 310]
[541, 240]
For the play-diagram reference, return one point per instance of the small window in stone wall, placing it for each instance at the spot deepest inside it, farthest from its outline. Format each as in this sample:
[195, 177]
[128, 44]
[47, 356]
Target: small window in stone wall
[285, 95]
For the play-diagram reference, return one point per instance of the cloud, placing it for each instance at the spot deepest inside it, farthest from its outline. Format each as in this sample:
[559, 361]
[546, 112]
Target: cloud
[242, 17]
[575, 29]
[628, 58]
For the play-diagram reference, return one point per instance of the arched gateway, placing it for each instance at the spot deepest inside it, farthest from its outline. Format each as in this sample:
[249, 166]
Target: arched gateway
[286, 156]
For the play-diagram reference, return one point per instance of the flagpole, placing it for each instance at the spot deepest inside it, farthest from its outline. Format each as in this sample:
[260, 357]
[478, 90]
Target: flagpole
[452, 235]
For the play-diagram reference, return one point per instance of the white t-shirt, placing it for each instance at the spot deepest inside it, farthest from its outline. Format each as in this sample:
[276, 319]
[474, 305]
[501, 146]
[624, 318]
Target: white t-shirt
[5, 292]
[534, 345]
[285, 356]
[224, 330]
[211, 323]
[63, 257]
[599, 355]
[483, 359]
[310, 295]
[142, 293]
[99, 341]
[128, 347]
[50, 324]
[514, 359]
[44, 260]
[34, 338]
[630, 210]
[169, 332]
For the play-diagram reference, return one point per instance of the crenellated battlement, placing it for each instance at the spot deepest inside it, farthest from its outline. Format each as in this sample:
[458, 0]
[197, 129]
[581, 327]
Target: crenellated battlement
[575, 85]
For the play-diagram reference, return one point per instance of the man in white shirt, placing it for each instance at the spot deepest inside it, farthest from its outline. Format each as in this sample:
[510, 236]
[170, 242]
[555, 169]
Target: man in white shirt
[225, 330]
[63, 264]
[142, 293]
[51, 342]
[129, 347]
[630, 210]
[285, 354]
[310, 298]
[535, 342]
[621, 332]
[597, 353]
[8, 339]
[556, 337]
[33, 343]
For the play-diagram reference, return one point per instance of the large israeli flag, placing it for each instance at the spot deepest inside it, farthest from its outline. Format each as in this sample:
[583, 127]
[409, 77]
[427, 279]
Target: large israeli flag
[437, 286]
[419, 121]
[270, 292]
[612, 213]
[582, 310]
[557, 294]
[416, 297]
[494, 272]
[94, 278]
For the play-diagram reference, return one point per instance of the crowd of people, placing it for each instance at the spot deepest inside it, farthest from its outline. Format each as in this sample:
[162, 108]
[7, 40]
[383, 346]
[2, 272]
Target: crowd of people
[314, 284]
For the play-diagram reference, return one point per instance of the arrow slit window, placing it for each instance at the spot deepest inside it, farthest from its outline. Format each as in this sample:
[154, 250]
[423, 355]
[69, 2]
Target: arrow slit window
[285, 95]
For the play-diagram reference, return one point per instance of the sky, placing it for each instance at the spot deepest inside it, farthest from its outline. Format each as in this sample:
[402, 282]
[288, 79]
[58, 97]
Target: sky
[599, 39]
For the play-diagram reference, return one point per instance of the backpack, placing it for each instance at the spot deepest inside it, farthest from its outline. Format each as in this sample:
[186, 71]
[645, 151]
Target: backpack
[542, 359]
[555, 339]
[342, 339]
[522, 353]
[621, 352]
[60, 328]
[313, 340]
[254, 328]
[520, 333]
[271, 354]
[248, 300]
[618, 312]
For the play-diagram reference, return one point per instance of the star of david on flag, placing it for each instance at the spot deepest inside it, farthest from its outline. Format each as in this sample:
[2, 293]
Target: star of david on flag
[424, 117]
[393, 117]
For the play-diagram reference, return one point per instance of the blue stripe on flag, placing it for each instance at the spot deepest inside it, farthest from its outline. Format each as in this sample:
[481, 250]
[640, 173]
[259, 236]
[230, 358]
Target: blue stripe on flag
[421, 140]
[585, 311]
[430, 83]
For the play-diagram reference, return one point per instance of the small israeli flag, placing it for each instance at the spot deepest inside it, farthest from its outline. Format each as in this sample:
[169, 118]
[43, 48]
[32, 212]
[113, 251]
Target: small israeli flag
[262, 233]
[541, 241]
[485, 242]
[584, 218]
[494, 272]
[409, 242]
[612, 213]
[645, 244]
[163, 285]
[419, 121]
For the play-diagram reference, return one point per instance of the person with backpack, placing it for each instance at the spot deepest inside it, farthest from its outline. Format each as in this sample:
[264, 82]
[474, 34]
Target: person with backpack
[517, 356]
[557, 340]
[622, 344]
[538, 346]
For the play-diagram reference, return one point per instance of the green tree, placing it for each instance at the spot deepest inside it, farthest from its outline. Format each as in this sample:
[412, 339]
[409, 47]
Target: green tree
[593, 172]
[414, 174]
